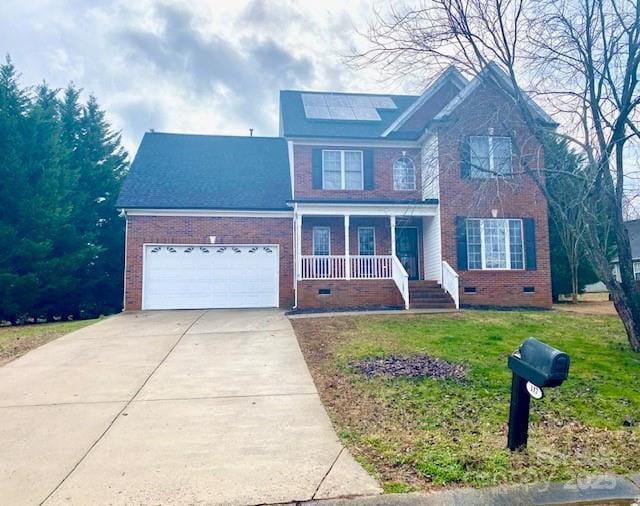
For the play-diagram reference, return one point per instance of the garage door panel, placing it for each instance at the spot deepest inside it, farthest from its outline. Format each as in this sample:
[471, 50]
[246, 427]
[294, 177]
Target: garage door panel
[197, 277]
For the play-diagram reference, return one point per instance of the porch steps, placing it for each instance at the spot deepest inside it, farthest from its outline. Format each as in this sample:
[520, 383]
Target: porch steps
[427, 294]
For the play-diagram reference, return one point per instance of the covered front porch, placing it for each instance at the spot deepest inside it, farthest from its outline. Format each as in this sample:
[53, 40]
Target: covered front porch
[359, 255]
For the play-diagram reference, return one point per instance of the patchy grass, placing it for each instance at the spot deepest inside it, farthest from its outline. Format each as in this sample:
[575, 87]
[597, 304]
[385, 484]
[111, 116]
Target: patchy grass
[426, 433]
[18, 340]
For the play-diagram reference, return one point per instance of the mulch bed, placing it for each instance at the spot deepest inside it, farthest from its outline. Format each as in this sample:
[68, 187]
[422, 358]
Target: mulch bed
[415, 366]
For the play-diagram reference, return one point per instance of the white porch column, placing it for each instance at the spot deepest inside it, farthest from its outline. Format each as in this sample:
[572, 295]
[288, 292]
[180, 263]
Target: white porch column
[392, 224]
[298, 220]
[347, 260]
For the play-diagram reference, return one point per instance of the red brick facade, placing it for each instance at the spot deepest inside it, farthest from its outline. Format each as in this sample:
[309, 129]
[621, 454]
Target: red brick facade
[516, 197]
[485, 112]
[383, 160]
[363, 293]
[196, 230]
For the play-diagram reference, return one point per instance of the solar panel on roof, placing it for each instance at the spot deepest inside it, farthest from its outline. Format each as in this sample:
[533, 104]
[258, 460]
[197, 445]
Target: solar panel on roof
[317, 111]
[383, 103]
[360, 101]
[366, 114]
[313, 99]
[337, 101]
[341, 113]
[344, 107]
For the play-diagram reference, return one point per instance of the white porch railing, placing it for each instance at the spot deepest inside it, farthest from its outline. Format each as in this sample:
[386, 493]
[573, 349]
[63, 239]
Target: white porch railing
[323, 267]
[334, 267]
[451, 283]
[401, 279]
[370, 266]
[360, 267]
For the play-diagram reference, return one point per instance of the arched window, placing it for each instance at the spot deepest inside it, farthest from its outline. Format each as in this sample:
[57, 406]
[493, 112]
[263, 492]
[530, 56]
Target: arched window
[404, 174]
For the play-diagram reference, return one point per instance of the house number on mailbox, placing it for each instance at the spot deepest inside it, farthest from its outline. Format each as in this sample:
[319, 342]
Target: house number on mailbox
[534, 391]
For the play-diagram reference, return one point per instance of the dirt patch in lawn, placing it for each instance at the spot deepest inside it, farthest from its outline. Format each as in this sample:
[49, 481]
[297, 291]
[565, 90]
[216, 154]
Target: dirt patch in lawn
[415, 366]
[17, 340]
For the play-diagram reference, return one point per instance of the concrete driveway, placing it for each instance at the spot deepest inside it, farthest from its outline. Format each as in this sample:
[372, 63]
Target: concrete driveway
[170, 407]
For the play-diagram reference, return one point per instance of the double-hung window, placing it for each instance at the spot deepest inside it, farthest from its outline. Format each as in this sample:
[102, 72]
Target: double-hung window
[404, 174]
[342, 170]
[321, 241]
[366, 241]
[495, 244]
[490, 156]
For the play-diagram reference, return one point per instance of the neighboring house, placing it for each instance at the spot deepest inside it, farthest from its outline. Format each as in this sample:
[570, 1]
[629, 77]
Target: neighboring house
[363, 201]
[633, 229]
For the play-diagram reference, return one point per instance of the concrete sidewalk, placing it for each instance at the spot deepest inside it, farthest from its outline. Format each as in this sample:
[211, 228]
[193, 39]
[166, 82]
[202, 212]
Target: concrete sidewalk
[170, 407]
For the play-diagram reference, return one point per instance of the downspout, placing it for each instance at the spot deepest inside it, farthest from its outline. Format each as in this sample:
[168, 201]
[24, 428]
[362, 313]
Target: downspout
[295, 255]
[124, 274]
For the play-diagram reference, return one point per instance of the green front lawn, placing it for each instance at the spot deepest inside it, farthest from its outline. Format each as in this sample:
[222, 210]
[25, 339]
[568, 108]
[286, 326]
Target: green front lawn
[18, 340]
[417, 434]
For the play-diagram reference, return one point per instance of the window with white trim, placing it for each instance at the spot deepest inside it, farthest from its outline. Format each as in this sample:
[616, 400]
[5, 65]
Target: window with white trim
[636, 271]
[321, 241]
[366, 241]
[404, 174]
[342, 170]
[495, 244]
[490, 156]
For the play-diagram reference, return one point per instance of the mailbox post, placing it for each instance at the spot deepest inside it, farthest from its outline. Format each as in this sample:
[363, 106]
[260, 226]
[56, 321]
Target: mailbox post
[534, 365]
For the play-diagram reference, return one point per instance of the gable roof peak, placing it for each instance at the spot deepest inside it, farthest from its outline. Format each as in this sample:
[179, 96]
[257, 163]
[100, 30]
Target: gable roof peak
[494, 72]
[450, 75]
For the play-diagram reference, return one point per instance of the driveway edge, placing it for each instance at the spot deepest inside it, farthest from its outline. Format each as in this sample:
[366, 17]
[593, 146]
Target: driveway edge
[598, 489]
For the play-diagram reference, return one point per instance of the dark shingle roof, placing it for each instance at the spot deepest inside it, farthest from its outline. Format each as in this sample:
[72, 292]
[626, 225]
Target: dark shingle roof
[177, 171]
[294, 122]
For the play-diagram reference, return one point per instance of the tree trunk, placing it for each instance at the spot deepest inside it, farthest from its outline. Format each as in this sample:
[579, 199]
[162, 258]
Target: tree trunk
[630, 316]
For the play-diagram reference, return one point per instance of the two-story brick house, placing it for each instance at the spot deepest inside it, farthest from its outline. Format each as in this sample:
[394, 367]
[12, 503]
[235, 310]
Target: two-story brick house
[362, 201]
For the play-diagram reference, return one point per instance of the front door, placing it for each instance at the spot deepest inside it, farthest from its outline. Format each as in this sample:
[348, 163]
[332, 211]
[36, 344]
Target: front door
[407, 250]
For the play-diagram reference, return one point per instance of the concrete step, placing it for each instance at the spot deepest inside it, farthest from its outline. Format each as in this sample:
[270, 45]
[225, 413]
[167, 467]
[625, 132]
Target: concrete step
[432, 305]
[426, 291]
[430, 300]
[423, 283]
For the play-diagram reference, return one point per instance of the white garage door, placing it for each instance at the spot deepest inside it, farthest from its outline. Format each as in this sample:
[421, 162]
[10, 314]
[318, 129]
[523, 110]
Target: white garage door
[199, 277]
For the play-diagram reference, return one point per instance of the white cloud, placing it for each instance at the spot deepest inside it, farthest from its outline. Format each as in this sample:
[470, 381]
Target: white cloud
[187, 66]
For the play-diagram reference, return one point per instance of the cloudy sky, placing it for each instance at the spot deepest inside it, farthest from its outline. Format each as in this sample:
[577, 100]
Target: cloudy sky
[189, 66]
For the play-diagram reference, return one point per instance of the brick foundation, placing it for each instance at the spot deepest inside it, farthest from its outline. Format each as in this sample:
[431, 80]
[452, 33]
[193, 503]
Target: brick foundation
[364, 293]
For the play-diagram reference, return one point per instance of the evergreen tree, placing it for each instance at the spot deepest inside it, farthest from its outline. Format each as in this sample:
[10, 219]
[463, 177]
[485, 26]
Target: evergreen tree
[61, 240]
[18, 287]
[103, 170]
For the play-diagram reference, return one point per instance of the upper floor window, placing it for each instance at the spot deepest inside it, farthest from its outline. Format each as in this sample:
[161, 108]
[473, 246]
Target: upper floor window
[321, 241]
[495, 244]
[490, 156]
[366, 241]
[404, 174]
[342, 170]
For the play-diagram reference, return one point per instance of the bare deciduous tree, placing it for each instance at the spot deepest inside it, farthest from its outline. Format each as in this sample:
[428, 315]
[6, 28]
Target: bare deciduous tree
[581, 58]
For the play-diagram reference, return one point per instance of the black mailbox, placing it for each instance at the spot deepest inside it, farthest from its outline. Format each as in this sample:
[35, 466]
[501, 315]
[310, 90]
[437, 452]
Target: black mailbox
[539, 363]
[534, 365]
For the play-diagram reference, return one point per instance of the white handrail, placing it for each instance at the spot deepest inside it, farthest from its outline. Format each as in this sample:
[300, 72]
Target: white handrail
[401, 279]
[370, 266]
[335, 267]
[323, 267]
[451, 283]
